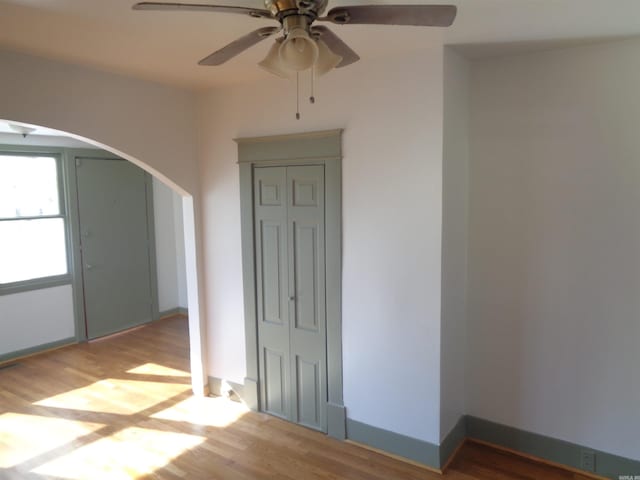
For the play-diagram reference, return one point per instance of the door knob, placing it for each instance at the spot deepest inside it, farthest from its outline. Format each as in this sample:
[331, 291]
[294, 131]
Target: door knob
[89, 267]
[292, 298]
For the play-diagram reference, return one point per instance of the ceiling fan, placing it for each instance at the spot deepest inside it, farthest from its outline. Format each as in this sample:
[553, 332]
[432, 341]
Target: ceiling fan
[304, 45]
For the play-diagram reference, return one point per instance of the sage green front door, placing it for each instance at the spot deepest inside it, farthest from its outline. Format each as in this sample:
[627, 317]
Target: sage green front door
[112, 206]
[289, 209]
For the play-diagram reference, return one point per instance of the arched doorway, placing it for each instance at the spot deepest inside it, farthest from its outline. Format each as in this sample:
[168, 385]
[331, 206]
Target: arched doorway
[62, 139]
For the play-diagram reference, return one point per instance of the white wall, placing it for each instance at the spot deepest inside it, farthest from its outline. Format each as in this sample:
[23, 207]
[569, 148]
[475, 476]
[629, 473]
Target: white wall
[34, 318]
[144, 121]
[455, 168]
[392, 205]
[169, 248]
[554, 258]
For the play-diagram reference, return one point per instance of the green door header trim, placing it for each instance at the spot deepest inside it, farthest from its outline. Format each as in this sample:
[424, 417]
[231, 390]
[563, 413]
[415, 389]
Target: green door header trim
[304, 147]
[319, 148]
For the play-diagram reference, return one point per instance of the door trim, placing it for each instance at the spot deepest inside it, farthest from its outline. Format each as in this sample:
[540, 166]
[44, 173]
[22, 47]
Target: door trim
[317, 148]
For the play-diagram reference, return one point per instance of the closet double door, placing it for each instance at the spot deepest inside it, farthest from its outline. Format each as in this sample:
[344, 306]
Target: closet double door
[289, 211]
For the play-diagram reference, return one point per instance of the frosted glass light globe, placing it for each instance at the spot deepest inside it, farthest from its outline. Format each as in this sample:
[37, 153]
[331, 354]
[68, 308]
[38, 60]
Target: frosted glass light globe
[299, 51]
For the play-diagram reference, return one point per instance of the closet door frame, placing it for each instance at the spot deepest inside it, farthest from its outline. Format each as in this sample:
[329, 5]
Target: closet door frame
[314, 148]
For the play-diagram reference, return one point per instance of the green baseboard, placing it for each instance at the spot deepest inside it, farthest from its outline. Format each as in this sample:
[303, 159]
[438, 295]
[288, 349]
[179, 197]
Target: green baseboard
[336, 421]
[426, 453]
[452, 441]
[551, 449]
[246, 393]
[5, 357]
[411, 448]
[173, 311]
[223, 388]
[563, 453]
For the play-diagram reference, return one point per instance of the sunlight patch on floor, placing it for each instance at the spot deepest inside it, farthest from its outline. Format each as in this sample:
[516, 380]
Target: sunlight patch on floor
[23, 437]
[155, 369]
[206, 411]
[117, 396]
[130, 453]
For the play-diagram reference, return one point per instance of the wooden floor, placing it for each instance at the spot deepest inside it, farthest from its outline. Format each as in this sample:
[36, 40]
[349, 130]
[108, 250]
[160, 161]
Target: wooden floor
[121, 408]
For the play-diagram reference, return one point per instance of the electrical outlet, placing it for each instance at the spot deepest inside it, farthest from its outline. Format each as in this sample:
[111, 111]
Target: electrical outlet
[588, 460]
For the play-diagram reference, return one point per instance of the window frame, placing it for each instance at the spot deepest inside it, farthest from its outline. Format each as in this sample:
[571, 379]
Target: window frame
[52, 280]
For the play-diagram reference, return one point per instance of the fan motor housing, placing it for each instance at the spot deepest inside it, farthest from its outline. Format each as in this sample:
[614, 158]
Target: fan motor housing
[283, 8]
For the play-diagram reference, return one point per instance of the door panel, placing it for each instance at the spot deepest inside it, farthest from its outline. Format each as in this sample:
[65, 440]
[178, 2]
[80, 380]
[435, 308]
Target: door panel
[112, 206]
[275, 391]
[290, 269]
[309, 391]
[271, 278]
[305, 190]
[305, 276]
[272, 290]
[306, 257]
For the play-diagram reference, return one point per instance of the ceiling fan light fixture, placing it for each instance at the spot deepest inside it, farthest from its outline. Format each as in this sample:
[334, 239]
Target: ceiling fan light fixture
[272, 62]
[299, 51]
[306, 46]
[327, 60]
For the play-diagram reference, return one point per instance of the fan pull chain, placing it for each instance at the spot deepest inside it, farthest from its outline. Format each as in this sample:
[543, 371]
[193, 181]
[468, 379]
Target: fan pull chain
[297, 95]
[312, 98]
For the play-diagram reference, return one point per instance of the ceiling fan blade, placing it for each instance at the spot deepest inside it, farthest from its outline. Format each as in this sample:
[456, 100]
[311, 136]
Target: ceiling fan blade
[197, 7]
[416, 15]
[337, 46]
[238, 46]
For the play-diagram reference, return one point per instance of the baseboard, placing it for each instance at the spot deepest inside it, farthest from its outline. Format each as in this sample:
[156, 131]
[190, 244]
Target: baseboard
[173, 311]
[336, 421]
[425, 454]
[452, 442]
[225, 388]
[246, 393]
[400, 458]
[27, 352]
[250, 394]
[558, 452]
[537, 447]
[415, 450]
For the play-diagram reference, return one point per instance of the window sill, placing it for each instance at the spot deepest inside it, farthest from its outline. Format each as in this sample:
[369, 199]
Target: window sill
[35, 284]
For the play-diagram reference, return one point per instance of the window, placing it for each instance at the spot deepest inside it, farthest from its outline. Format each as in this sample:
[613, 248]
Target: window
[33, 243]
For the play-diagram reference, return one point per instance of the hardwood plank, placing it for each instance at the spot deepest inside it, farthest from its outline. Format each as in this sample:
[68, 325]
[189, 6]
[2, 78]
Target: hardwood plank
[135, 417]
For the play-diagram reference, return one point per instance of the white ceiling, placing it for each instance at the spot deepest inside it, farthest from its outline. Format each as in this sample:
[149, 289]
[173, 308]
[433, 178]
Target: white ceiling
[165, 46]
